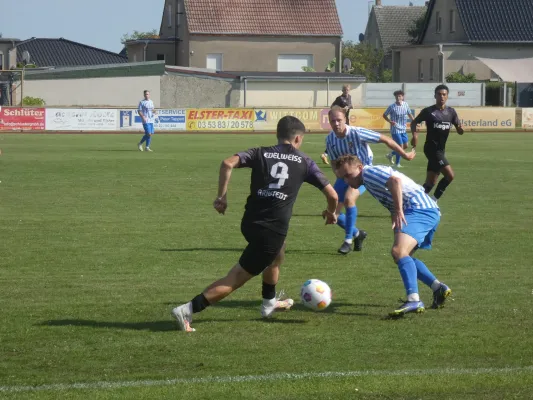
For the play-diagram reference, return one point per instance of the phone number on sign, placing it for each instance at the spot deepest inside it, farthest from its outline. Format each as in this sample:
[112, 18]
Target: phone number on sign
[224, 124]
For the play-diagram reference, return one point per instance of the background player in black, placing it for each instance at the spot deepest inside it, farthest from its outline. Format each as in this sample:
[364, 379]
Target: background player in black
[439, 119]
[278, 172]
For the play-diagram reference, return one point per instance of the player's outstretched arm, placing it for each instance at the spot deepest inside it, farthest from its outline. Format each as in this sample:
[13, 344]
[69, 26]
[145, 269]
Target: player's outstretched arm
[397, 148]
[457, 123]
[394, 184]
[414, 127]
[332, 198]
[226, 168]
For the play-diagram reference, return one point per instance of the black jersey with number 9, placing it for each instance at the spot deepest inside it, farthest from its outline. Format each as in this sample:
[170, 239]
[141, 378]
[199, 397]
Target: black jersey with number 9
[278, 172]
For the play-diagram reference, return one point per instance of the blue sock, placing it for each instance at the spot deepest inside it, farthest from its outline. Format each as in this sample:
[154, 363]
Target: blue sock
[362, 189]
[143, 139]
[408, 272]
[349, 227]
[423, 273]
[148, 140]
[341, 220]
[397, 160]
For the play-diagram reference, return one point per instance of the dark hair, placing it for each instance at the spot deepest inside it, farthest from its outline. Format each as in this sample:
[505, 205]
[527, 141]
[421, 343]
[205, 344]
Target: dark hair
[442, 87]
[146, 91]
[398, 93]
[289, 127]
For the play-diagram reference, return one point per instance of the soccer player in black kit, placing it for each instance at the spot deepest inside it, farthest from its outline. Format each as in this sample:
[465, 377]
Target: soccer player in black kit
[278, 172]
[439, 120]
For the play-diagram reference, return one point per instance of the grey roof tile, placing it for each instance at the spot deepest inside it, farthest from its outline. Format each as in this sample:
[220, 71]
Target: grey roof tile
[394, 22]
[65, 53]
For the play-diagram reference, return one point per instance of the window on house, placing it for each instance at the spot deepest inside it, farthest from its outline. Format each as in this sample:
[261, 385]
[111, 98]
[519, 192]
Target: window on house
[1, 60]
[214, 61]
[294, 62]
[169, 15]
[420, 71]
[438, 20]
[160, 57]
[431, 69]
[452, 20]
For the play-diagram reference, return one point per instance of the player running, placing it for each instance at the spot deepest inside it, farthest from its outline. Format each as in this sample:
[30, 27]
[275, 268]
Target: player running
[343, 140]
[415, 217]
[396, 115]
[148, 114]
[439, 119]
[277, 175]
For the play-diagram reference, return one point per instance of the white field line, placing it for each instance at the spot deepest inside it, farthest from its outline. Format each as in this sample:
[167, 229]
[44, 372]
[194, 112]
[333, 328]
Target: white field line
[266, 378]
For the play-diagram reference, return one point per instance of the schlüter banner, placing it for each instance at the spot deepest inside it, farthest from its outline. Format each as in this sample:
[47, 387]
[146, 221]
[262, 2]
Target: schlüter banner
[167, 120]
[266, 119]
[77, 119]
[18, 118]
[220, 119]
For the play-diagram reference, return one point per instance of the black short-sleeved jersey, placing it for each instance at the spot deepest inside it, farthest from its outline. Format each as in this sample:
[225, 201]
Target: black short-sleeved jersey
[277, 175]
[438, 123]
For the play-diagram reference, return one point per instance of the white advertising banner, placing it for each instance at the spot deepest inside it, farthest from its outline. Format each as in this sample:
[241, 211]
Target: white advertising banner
[77, 119]
[167, 120]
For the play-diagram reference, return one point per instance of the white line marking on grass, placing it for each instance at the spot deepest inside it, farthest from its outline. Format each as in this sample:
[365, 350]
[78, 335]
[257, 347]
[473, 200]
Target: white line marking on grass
[266, 378]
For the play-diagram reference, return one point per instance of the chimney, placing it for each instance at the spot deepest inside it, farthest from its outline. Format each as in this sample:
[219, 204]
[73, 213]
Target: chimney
[378, 3]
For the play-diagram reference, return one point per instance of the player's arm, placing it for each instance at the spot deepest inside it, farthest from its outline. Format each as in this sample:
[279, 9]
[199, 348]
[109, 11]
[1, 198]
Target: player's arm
[386, 116]
[394, 184]
[414, 124]
[391, 144]
[457, 123]
[224, 176]
[141, 114]
[332, 199]
[317, 178]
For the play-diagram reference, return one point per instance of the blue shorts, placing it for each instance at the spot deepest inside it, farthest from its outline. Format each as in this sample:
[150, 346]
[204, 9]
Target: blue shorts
[148, 128]
[421, 225]
[400, 138]
[340, 187]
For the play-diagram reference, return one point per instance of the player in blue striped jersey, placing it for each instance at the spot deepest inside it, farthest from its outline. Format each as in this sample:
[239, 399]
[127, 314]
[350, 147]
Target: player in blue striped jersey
[415, 217]
[148, 114]
[342, 140]
[396, 115]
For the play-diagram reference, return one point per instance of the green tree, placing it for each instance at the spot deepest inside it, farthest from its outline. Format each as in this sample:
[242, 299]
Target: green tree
[386, 76]
[365, 59]
[136, 35]
[457, 77]
[417, 28]
[308, 69]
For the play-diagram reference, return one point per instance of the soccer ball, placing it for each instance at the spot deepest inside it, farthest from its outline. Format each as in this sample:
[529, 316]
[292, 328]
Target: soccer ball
[315, 294]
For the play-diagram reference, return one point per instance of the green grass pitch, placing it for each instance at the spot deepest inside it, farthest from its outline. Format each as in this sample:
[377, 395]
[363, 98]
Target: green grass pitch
[99, 241]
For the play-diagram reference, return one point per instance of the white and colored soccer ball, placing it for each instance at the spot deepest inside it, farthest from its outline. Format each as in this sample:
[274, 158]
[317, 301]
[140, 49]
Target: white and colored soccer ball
[316, 294]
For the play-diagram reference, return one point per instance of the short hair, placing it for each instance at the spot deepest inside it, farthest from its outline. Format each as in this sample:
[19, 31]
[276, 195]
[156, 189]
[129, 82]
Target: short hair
[146, 91]
[399, 93]
[442, 87]
[346, 160]
[335, 109]
[346, 87]
[289, 127]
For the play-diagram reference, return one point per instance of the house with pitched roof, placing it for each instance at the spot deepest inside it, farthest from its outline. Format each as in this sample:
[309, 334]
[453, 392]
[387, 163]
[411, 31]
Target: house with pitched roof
[245, 35]
[387, 27]
[492, 39]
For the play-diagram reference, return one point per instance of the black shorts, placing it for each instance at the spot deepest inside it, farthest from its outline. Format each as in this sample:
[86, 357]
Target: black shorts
[263, 247]
[436, 160]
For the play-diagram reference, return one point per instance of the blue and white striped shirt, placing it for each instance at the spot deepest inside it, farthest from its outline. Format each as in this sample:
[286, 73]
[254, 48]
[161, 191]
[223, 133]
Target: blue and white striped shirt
[398, 113]
[375, 180]
[355, 142]
[147, 109]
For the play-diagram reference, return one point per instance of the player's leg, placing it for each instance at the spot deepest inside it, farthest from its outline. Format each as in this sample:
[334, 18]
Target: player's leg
[433, 171]
[236, 277]
[149, 138]
[401, 250]
[448, 176]
[397, 137]
[402, 141]
[389, 155]
[146, 136]
[349, 220]
[270, 280]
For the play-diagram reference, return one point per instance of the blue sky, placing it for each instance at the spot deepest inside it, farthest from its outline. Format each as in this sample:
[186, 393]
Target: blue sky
[101, 23]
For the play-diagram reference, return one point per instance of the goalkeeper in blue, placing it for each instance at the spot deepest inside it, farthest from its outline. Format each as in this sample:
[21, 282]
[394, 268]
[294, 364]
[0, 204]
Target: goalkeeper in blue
[415, 217]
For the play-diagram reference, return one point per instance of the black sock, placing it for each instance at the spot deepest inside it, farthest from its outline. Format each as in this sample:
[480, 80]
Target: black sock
[269, 291]
[441, 187]
[199, 303]
[427, 187]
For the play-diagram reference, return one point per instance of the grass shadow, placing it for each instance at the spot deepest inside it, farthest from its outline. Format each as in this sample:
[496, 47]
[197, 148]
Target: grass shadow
[229, 249]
